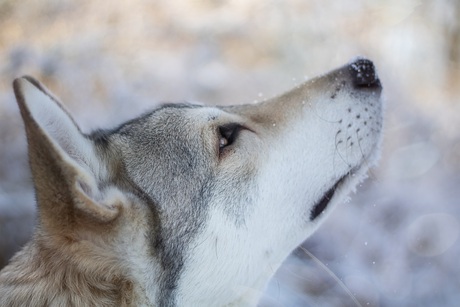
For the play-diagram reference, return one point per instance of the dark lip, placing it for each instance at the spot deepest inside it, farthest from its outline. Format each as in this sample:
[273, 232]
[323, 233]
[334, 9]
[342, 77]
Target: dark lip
[322, 204]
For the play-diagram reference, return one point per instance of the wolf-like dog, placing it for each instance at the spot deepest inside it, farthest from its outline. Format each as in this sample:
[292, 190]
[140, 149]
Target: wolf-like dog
[187, 205]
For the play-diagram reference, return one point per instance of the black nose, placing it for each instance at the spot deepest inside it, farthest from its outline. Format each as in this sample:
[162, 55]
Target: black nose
[363, 74]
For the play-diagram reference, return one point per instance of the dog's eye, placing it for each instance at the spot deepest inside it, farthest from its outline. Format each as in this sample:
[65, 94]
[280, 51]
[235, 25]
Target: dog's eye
[228, 134]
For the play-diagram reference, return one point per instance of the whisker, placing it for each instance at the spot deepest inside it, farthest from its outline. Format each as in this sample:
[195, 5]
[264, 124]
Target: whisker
[337, 148]
[370, 172]
[334, 276]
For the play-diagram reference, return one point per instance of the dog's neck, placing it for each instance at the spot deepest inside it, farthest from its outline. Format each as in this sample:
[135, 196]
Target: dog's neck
[237, 276]
[42, 273]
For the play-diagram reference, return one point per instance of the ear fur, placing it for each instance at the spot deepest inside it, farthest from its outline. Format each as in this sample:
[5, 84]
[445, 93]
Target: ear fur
[65, 167]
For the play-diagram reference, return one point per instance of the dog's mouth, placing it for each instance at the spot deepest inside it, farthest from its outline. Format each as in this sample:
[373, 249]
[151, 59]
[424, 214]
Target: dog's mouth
[322, 204]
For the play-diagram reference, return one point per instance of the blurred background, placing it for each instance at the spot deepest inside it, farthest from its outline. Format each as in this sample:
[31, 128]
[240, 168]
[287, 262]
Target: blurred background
[395, 243]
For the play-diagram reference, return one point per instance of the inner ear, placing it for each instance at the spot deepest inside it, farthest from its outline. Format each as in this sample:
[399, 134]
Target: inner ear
[40, 106]
[66, 168]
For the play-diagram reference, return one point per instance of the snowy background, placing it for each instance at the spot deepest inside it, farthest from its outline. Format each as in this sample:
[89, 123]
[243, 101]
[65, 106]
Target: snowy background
[396, 243]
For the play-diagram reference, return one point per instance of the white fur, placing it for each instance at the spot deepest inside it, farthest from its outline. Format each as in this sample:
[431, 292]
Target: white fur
[222, 265]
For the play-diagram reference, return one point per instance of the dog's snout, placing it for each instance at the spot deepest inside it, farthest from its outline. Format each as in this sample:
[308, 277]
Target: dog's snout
[364, 74]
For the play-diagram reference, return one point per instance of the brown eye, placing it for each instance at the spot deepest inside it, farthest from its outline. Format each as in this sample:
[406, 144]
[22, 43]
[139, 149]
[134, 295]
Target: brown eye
[228, 134]
[223, 142]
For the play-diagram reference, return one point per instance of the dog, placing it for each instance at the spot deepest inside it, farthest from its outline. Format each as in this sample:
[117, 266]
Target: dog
[187, 205]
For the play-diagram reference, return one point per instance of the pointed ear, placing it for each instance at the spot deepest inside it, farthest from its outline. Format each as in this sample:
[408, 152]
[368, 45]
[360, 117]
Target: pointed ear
[65, 167]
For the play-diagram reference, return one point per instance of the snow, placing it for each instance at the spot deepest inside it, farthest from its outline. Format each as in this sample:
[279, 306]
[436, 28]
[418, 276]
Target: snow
[395, 243]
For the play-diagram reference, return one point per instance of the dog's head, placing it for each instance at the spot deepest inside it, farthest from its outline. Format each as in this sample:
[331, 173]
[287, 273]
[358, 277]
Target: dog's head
[201, 204]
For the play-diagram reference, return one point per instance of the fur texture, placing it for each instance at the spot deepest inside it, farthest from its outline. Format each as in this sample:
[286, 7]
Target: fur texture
[187, 205]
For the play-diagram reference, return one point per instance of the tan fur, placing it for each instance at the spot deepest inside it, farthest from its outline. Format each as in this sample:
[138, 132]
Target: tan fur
[65, 264]
[79, 269]
[75, 274]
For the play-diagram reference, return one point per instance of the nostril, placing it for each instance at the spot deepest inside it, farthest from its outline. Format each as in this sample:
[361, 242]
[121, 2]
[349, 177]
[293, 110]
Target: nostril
[364, 74]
